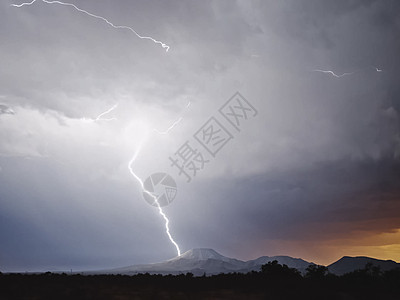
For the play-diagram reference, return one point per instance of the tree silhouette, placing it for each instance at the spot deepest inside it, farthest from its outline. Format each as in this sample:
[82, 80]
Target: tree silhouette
[372, 270]
[275, 270]
[316, 271]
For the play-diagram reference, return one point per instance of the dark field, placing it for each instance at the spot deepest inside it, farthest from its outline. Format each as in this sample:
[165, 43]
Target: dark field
[273, 282]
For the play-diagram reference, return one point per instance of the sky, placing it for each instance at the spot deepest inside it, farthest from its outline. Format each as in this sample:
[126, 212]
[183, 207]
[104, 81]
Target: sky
[312, 171]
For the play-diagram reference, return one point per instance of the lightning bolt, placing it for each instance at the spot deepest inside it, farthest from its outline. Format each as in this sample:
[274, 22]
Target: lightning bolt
[332, 73]
[99, 117]
[346, 73]
[161, 212]
[166, 47]
[176, 122]
[169, 128]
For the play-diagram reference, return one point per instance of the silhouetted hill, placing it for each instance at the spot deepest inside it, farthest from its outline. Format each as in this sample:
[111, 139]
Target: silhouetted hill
[349, 264]
[291, 262]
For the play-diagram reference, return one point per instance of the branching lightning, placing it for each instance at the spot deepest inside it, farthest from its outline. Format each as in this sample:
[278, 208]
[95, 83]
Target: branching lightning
[166, 47]
[332, 73]
[161, 212]
[100, 117]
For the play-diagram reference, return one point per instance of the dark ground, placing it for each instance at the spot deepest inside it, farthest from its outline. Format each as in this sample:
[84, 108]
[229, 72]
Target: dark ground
[273, 282]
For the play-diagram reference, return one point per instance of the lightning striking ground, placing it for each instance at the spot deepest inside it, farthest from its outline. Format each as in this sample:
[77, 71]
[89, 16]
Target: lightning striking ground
[100, 117]
[166, 47]
[161, 212]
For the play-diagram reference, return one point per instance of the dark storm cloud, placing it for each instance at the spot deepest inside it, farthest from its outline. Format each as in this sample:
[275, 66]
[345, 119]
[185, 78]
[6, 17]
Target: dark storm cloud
[347, 199]
[345, 132]
[4, 109]
[345, 191]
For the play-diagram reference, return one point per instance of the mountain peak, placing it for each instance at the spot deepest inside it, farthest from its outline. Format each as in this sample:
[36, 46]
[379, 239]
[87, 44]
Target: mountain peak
[202, 254]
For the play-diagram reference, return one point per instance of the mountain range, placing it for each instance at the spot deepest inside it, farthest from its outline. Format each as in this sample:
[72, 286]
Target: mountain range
[208, 261]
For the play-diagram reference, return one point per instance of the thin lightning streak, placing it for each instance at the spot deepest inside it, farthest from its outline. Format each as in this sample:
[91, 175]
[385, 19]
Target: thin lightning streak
[166, 47]
[176, 122]
[169, 128]
[332, 73]
[99, 117]
[154, 197]
[347, 73]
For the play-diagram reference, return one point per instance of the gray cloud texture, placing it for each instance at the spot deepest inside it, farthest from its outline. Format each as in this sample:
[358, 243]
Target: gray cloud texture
[319, 163]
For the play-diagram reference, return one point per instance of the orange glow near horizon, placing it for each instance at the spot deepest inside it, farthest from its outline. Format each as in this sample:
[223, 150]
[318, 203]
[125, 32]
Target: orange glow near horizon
[385, 246]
